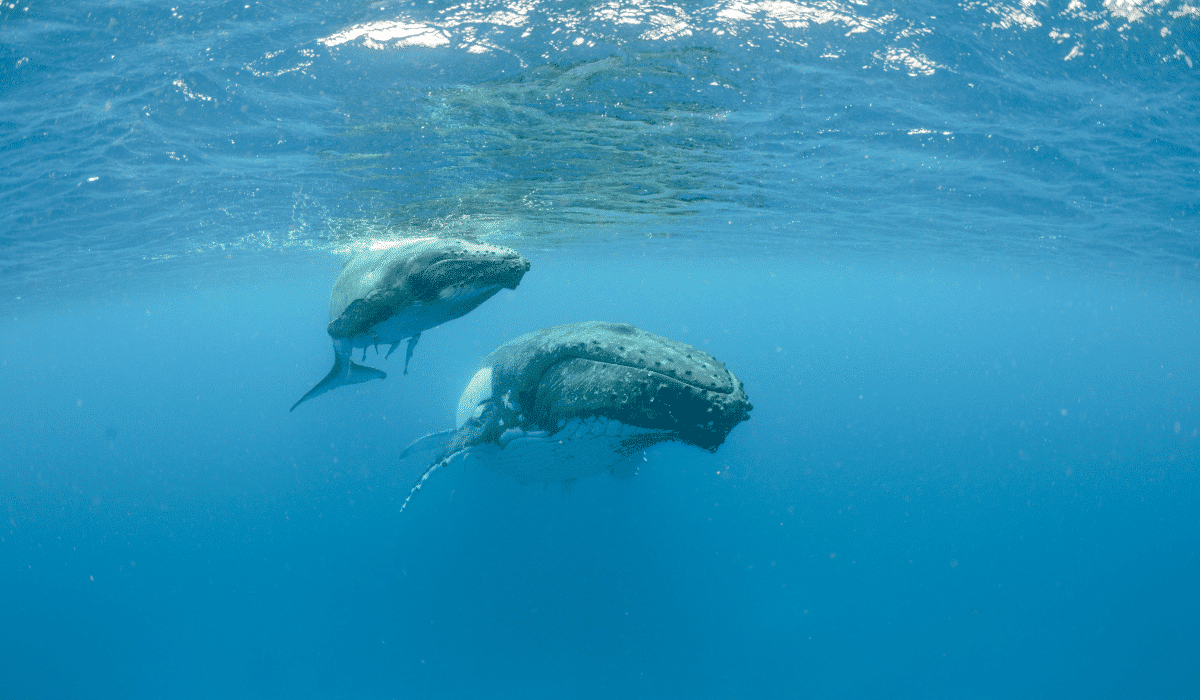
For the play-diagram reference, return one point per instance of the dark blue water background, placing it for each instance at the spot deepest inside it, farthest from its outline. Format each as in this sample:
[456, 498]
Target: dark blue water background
[950, 250]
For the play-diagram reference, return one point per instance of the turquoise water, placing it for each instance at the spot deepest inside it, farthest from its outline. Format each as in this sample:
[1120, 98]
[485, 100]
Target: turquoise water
[950, 250]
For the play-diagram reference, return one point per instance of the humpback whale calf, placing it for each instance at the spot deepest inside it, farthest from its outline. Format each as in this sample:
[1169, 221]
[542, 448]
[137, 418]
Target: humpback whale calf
[384, 296]
[570, 401]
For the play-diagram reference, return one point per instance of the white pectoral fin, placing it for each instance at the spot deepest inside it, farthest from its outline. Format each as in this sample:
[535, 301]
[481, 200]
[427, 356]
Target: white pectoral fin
[428, 472]
[431, 441]
[345, 371]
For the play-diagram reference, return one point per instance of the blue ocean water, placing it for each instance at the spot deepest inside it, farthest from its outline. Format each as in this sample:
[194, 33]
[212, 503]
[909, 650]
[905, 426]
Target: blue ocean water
[951, 250]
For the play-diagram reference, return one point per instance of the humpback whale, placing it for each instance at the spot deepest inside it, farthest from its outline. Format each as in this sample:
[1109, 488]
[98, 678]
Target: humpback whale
[386, 295]
[571, 401]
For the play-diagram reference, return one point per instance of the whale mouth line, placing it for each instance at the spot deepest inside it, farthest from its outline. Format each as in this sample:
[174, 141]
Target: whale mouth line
[496, 264]
[473, 257]
[681, 380]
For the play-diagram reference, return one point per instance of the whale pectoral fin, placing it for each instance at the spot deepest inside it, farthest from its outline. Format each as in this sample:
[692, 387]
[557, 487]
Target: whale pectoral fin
[429, 442]
[430, 470]
[412, 343]
[345, 371]
[392, 349]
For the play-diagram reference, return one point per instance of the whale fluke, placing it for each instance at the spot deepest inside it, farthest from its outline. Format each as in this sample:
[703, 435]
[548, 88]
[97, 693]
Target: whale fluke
[345, 371]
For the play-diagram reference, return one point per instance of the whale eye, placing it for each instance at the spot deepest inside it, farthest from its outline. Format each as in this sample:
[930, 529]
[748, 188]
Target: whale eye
[478, 391]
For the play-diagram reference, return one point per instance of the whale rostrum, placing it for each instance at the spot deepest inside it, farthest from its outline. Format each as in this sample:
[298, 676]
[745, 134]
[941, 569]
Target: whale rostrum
[570, 401]
[396, 291]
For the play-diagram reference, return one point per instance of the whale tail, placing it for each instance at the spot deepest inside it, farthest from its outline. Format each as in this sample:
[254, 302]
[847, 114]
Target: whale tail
[345, 371]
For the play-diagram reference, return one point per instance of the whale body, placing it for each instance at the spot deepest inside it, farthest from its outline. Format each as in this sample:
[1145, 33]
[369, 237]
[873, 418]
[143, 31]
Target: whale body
[571, 401]
[395, 292]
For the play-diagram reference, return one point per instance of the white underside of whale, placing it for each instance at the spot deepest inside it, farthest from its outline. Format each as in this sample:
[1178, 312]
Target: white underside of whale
[420, 316]
[580, 448]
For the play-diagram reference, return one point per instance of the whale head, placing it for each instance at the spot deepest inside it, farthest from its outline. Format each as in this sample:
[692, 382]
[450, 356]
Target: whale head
[391, 293]
[399, 289]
